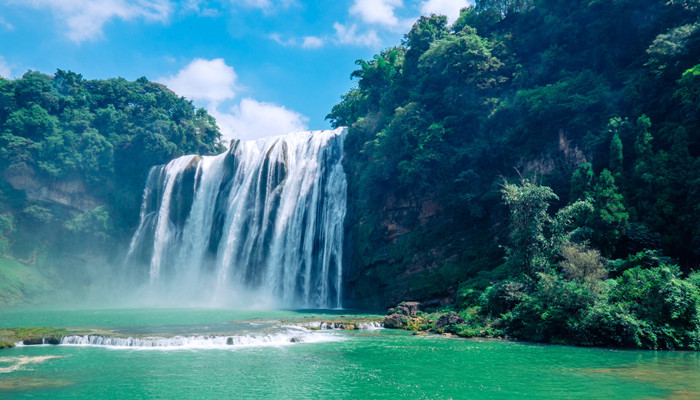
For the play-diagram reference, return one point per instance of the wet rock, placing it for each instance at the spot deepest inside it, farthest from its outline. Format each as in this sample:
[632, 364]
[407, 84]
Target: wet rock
[448, 319]
[229, 341]
[408, 308]
[52, 340]
[394, 321]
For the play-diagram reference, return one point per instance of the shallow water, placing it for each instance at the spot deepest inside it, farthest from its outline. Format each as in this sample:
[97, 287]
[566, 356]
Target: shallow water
[323, 364]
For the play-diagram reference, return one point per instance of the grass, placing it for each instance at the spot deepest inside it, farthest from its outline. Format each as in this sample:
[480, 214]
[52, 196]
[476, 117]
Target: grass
[20, 283]
[31, 335]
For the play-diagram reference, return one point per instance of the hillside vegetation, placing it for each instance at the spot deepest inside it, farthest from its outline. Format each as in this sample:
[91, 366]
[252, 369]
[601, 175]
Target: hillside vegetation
[538, 161]
[74, 156]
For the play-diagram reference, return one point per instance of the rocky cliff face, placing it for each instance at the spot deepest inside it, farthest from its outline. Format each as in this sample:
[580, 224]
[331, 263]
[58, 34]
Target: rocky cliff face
[409, 250]
[70, 192]
[412, 246]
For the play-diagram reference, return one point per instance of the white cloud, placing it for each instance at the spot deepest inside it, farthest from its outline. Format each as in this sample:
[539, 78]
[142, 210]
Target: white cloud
[85, 18]
[312, 42]
[266, 6]
[263, 4]
[208, 80]
[377, 11]
[281, 40]
[449, 8]
[5, 68]
[350, 36]
[308, 42]
[214, 84]
[252, 119]
[6, 24]
[200, 7]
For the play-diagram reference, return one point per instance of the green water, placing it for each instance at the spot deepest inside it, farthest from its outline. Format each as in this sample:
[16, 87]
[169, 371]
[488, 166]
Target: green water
[382, 364]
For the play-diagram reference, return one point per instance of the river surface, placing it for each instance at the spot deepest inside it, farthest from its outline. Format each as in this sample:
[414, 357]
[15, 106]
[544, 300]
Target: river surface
[212, 354]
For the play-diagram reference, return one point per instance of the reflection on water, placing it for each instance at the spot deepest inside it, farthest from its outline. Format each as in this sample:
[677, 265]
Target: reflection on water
[25, 383]
[22, 363]
[677, 373]
[10, 364]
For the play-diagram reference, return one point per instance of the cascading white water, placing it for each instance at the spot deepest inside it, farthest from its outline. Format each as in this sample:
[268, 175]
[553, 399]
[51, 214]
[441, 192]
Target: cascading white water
[291, 335]
[264, 217]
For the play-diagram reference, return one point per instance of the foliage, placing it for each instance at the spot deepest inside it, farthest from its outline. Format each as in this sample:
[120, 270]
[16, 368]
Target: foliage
[582, 265]
[599, 104]
[609, 221]
[6, 230]
[547, 312]
[95, 223]
[582, 182]
[528, 205]
[647, 305]
[105, 133]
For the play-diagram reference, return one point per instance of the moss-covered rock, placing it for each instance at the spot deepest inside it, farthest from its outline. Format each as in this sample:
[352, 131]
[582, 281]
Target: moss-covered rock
[394, 321]
[408, 308]
[31, 336]
[447, 320]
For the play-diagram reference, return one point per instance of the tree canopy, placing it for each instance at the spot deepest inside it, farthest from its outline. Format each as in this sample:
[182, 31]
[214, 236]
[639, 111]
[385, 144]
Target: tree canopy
[104, 133]
[597, 101]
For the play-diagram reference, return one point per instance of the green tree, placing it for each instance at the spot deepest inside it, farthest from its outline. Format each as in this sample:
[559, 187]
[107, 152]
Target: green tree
[616, 157]
[610, 218]
[615, 128]
[583, 265]
[375, 77]
[688, 92]
[668, 50]
[95, 224]
[668, 305]
[7, 228]
[352, 106]
[528, 204]
[642, 173]
[459, 69]
[502, 7]
[33, 122]
[424, 32]
[582, 182]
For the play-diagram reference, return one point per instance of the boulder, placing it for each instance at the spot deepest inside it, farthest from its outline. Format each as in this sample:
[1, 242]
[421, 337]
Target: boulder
[448, 319]
[408, 308]
[394, 321]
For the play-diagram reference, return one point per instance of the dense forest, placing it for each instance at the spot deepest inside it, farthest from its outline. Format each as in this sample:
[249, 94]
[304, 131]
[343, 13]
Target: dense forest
[74, 156]
[540, 159]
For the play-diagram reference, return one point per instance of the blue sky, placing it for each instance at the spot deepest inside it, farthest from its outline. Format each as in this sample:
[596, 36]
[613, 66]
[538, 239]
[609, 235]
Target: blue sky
[261, 67]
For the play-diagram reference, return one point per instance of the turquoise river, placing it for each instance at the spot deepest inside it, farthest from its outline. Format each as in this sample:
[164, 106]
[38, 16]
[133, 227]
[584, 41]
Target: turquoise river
[213, 354]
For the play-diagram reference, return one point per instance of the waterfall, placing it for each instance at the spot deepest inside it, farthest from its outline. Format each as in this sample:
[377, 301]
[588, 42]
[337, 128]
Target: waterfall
[266, 217]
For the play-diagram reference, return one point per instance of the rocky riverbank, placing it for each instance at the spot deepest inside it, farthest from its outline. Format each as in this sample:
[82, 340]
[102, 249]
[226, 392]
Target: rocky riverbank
[342, 322]
[9, 337]
[417, 317]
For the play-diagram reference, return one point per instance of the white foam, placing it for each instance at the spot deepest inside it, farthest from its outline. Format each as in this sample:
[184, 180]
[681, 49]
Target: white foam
[370, 326]
[18, 363]
[365, 326]
[284, 338]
